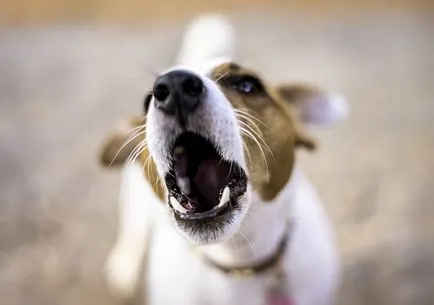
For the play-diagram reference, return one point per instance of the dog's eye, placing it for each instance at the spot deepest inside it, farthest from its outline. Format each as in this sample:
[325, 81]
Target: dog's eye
[247, 85]
[147, 101]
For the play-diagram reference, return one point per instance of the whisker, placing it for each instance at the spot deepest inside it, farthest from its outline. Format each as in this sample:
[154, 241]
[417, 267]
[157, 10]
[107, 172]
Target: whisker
[135, 154]
[252, 137]
[260, 138]
[135, 134]
[245, 112]
[249, 155]
[241, 120]
[220, 161]
[250, 213]
[132, 157]
[170, 173]
[230, 169]
[249, 242]
[138, 127]
[256, 130]
[235, 244]
[146, 164]
[157, 180]
[248, 119]
[223, 75]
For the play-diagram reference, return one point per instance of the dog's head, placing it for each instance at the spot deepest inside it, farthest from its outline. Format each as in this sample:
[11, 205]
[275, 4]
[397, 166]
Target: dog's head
[213, 134]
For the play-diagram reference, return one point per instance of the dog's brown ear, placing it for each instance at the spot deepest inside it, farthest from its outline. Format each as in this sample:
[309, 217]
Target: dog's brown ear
[312, 105]
[121, 142]
[305, 141]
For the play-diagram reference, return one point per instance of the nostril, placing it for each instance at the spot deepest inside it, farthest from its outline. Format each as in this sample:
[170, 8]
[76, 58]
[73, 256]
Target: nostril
[161, 92]
[192, 86]
[178, 93]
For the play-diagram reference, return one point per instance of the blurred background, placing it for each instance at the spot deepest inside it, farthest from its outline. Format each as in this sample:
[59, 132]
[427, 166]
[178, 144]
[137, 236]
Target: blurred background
[69, 70]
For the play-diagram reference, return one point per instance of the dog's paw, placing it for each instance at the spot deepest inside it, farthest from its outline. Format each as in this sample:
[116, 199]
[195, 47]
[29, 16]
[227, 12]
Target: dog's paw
[122, 272]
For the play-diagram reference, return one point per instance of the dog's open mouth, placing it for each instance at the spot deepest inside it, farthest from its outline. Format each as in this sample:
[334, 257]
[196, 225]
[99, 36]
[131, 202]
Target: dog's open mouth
[201, 184]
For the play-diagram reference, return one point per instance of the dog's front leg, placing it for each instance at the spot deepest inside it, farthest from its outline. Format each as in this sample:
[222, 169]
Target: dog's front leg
[125, 262]
[312, 262]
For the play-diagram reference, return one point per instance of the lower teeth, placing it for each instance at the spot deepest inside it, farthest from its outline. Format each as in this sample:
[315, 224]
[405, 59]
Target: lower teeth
[177, 206]
[225, 196]
[224, 199]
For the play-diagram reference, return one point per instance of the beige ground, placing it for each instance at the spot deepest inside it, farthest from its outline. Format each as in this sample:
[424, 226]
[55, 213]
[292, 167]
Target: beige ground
[61, 89]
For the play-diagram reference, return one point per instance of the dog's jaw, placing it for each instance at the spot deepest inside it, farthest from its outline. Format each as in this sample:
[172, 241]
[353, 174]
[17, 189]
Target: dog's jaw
[215, 121]
[223, 230]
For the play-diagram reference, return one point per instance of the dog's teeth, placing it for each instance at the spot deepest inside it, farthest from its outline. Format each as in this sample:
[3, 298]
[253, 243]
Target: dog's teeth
[177, 206]
[184, 185]
[225, 196]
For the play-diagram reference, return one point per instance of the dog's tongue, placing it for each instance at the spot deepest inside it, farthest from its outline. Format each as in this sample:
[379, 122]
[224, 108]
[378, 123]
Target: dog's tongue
[202, 188]
[181, 162]
[181, 170]
[210, 178]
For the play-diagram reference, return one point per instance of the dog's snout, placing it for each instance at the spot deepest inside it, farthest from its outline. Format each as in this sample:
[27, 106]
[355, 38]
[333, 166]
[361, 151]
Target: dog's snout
[178, 93]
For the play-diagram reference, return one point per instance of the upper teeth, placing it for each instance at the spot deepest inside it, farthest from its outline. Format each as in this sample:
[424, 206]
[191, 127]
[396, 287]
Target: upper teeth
[178, 151]
[177, 206]
[225, 196]
[184, 184]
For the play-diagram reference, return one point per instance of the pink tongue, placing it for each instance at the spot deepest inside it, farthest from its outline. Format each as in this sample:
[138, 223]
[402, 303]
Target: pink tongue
[181, 164]
[209, 180]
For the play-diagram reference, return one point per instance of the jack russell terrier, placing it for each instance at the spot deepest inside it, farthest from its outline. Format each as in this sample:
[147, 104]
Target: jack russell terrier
[214, 208]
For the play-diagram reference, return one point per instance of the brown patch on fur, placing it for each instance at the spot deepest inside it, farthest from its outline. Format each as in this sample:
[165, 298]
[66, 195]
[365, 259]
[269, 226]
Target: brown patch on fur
[151, 174]
[274, 121]
[297, 93]
[113, 155]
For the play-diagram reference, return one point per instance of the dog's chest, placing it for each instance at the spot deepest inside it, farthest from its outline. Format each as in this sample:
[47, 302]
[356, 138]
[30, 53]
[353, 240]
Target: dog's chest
[175, 274]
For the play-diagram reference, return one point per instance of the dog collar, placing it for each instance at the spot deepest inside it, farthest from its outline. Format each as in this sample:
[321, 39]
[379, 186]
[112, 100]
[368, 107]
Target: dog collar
[264, 265]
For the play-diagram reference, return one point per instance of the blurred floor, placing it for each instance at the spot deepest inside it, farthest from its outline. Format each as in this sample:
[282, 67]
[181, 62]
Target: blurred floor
[62, 89]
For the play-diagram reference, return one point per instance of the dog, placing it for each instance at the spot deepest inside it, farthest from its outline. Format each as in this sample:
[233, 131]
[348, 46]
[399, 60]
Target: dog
[214, 208]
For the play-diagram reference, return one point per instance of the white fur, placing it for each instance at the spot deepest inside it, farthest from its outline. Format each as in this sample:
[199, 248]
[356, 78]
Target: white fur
[207, 37]
[175, 273]
[207, 42]
[215, 120]
[324, 109]
[123, 267]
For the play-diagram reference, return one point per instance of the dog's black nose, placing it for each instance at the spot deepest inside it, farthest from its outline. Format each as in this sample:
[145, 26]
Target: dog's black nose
[178, 93]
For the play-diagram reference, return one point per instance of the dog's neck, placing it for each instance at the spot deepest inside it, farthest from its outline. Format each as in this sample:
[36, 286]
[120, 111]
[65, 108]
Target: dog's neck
[261, 231]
